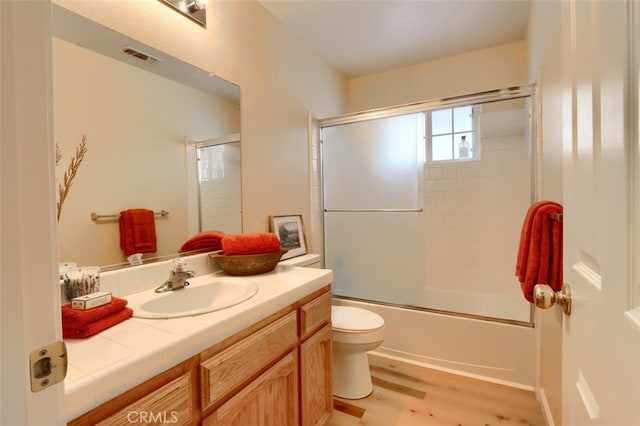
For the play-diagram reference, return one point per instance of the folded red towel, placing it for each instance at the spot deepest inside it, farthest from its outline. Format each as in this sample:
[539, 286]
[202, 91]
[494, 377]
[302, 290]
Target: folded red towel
[258, 243]
[138, 231]
[77, 318]
[206, 240]
[539, 258]
[91, 328]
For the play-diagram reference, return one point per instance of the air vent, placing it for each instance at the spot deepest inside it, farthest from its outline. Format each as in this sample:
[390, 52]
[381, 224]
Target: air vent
[140, 55]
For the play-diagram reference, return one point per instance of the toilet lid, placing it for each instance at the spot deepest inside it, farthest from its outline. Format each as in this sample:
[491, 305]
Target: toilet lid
[350, 319]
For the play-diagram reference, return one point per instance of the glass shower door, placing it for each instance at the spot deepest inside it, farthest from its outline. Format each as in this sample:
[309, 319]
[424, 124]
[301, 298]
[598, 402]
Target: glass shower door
[436, 232]
[372, 173]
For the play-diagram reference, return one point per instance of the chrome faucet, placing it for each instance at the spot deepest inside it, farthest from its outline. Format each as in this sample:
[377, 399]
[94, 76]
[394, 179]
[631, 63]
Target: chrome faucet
[177, 278]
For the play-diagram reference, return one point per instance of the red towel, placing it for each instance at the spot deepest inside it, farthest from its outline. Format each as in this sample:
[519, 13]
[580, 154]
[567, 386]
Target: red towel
[137, 231]
[91, 328]
[250, 244]
[540, 253]
[76, 318]
[206, 240]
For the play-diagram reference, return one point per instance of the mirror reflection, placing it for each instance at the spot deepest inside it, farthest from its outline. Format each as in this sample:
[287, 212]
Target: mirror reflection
[145, 123]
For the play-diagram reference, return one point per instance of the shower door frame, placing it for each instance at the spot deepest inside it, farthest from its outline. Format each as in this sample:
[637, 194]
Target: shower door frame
[508, 93]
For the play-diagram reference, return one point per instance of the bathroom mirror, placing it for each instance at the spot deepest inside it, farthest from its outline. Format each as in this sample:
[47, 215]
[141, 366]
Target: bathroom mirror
[142, 113]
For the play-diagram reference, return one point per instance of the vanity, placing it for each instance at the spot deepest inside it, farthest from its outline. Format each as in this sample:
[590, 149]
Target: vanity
[266, 358]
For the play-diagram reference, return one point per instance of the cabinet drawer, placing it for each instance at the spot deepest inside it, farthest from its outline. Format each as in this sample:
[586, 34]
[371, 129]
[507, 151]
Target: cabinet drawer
[233, 366]
[315, 314]
[170, 403]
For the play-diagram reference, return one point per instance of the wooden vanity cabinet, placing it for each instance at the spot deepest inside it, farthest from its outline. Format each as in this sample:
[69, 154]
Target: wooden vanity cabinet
[166, 398]
[277, 372]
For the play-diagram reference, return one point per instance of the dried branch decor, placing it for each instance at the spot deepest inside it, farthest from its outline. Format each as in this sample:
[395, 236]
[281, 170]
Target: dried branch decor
[70, 173]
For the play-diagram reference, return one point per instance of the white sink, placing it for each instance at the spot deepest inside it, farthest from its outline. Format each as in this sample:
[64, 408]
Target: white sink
[204, 294]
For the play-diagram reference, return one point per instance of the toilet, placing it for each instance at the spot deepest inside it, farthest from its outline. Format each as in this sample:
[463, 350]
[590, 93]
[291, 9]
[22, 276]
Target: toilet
[355, 332]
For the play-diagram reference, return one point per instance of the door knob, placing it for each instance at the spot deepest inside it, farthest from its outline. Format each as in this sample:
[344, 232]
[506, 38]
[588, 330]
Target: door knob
[545, 297]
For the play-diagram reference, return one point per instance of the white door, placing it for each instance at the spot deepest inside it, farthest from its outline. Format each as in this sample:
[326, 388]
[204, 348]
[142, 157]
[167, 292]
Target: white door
[601, 352]
[29, 299]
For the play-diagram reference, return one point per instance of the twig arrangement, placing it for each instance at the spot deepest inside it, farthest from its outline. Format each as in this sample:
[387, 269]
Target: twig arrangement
[70, 173]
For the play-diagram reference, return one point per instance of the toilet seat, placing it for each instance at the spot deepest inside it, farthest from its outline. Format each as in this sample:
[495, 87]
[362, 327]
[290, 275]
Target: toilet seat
[349, 319]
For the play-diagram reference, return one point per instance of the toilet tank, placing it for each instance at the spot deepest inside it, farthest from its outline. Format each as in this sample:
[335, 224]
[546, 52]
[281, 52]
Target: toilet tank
[310, 260]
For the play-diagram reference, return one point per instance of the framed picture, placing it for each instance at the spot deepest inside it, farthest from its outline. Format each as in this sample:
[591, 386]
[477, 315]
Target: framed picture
[290, 231]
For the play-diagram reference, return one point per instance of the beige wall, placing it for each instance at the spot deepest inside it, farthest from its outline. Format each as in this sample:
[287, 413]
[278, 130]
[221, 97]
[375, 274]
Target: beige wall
[280, 81]
[545, 63]
[477, 71]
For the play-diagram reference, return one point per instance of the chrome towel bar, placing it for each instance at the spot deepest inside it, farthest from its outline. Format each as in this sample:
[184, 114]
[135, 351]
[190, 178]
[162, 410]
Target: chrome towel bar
[373, 210]
[96, 216]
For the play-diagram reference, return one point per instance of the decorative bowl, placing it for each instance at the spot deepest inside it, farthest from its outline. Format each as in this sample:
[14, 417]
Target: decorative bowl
[250, 264]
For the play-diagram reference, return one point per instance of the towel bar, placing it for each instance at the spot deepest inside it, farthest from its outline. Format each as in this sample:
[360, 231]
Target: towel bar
[373, 210]
[96, 216]
[556, 216]
[545, 297]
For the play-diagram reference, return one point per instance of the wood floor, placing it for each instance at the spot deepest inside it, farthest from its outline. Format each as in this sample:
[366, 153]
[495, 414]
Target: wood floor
[408, 395]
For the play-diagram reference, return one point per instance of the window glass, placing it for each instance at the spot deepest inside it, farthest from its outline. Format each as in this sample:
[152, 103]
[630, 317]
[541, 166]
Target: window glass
[441, 148]
[463, 119]
[452, 134]
[441, 122]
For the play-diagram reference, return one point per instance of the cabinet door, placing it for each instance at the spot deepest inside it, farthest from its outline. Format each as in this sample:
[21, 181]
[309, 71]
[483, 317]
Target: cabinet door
[270, 400]
[316, 367]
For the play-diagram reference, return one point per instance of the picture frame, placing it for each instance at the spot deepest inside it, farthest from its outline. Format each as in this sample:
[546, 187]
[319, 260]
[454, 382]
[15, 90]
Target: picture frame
[290, 232]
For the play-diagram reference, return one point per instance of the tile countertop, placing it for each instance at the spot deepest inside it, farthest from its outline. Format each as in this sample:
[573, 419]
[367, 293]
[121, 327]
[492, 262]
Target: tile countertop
[125, 355]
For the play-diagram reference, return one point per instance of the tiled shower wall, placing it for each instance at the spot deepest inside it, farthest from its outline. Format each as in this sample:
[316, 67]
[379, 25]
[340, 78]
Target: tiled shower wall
[473, 216]
[220, 198]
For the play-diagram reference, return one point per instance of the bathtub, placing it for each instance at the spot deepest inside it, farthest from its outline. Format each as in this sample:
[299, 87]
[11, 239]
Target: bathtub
[498, 352]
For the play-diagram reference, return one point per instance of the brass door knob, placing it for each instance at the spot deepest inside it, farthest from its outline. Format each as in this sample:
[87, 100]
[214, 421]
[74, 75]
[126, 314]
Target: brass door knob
[545, 297]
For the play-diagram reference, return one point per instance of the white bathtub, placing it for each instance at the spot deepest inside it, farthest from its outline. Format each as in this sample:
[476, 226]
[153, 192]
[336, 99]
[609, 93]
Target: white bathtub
[492, 351]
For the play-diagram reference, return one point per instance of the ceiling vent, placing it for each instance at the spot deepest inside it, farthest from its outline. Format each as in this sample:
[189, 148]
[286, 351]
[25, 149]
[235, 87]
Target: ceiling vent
[140, 55]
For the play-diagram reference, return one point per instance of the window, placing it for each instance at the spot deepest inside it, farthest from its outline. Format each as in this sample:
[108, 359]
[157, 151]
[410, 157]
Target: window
[451, 134]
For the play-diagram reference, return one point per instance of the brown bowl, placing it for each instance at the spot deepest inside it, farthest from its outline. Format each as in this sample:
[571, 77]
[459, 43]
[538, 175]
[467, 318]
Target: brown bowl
[250, 264]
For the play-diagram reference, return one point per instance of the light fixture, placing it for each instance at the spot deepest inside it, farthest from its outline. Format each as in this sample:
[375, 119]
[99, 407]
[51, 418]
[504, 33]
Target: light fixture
[192, 9]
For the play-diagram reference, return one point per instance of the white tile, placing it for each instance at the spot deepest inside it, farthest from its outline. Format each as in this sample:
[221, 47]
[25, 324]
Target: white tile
[79, 395]
[109, 282]
[155, 274]
[97, 353]
[144, 338]
[123, 376]
[131, 280]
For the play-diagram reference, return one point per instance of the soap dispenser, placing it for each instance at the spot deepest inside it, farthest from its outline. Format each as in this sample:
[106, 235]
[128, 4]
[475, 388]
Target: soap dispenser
[463, 148]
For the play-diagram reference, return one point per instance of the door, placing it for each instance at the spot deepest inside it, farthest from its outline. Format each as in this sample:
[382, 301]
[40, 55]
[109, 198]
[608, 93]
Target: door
[30, 295]
[601, 349]
[372, 182]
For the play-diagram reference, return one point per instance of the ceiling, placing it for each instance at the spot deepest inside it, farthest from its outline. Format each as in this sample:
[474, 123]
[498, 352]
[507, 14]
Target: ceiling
[360, 37]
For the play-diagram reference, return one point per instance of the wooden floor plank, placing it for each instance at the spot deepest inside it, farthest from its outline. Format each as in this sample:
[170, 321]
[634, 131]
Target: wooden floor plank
[408, 395]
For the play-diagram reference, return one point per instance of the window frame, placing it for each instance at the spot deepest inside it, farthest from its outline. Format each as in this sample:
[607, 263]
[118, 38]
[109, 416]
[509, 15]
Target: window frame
[474, 148]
